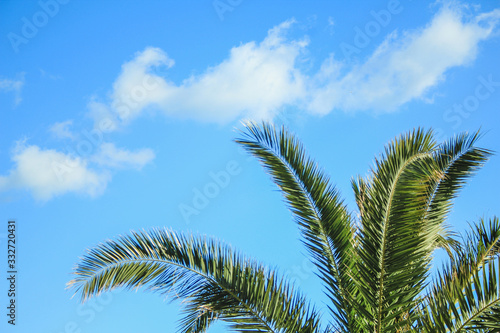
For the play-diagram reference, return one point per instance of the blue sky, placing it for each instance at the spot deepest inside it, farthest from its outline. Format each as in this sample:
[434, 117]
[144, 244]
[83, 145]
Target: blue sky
[118, 116]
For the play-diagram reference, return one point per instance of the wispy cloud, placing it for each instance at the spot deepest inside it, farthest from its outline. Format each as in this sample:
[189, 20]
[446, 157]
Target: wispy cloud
[62, 130]
[13, 85]
[47, 75]
[258, 80]
[111, 156]
[85, 167]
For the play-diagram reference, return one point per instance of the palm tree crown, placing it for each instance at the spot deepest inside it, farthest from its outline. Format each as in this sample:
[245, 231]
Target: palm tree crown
[374, 263]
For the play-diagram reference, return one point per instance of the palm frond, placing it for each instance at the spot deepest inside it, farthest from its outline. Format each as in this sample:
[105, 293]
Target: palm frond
[466, 296]
[457, 160]
[395, 247]
[325, 223]
[214, 282]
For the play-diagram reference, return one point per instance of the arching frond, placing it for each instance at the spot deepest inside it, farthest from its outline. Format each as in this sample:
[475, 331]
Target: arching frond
[394, 250]
[456, 161]
[214, 282]
[403, 206]
[466, 296]
[325, 223]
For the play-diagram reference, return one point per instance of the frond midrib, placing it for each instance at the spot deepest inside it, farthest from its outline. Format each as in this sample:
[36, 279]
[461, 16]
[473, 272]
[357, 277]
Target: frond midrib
[385, 231]
[487, 252]
[479, 312]
[480, 263]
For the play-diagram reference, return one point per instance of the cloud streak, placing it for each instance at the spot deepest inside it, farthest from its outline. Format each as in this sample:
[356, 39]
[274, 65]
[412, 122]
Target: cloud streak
[62, 130]
[111, 156]
[13, 85]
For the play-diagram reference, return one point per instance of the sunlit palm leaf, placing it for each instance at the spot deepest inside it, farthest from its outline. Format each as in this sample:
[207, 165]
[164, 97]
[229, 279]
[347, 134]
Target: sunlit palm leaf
[394, 251]
[211, 278]
[466, 296]
[403, 206]
[457, 160]
[325, 223]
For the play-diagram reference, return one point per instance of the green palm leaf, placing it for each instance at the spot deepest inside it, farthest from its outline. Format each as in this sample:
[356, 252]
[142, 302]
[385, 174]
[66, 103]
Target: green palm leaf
[403, 206]
[325, 223]
[457, 160]
[466, 296]
[215, 282]
[394, 252]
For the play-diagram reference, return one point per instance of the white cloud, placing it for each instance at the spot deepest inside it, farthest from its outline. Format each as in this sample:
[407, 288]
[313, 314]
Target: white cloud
[405, 66]
[14, 85]
[49, 173]
[254, 81]
[136, 88]
[113, 157]
[62, 130]
[258, 80]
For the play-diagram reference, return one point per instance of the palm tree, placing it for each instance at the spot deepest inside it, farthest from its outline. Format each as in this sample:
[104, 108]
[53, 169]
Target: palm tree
[375, 263]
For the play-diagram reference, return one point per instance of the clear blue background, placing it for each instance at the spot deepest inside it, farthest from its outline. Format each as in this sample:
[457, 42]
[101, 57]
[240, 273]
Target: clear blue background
[78, 54]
